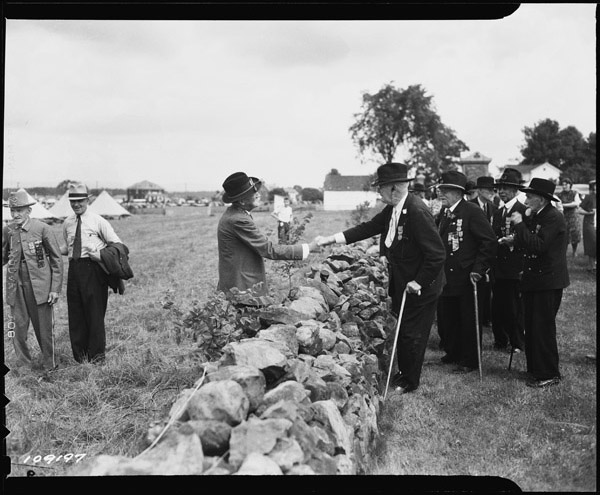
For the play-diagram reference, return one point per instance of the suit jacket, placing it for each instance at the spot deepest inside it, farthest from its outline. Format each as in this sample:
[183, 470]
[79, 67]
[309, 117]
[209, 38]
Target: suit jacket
[115, 263]
[489, 208]
[509, 262]
[470, 245]
[416, 253]
[42, 256]
[242, 248]
[544, 239]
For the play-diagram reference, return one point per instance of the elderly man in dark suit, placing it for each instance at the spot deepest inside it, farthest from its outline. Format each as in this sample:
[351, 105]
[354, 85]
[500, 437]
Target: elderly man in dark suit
[507, 306]
[413, 249]
[470, 250]
[242, 246]
[544, 238]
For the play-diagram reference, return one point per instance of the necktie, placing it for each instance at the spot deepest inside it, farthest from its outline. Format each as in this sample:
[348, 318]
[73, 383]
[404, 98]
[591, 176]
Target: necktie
[77, 241]
[392, 228]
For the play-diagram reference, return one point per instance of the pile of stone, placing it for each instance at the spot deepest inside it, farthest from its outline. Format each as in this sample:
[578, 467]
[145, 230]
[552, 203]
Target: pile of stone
[300, 397]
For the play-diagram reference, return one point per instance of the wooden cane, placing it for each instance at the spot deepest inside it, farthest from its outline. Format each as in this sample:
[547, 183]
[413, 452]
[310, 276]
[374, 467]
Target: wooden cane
[477, 329]
[395, 341]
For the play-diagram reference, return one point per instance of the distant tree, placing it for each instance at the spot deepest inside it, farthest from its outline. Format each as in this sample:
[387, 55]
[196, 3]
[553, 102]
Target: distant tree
[334, 171]
[311, 194]
[565, 148]
[63, 186]
[279, 191]
[394, 119]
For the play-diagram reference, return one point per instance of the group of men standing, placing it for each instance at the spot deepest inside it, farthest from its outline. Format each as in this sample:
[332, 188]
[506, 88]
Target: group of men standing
[516, 252]
[35, 277]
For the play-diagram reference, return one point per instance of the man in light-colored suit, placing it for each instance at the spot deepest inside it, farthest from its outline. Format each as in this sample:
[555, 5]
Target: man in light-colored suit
[34, 278]
[242, 246]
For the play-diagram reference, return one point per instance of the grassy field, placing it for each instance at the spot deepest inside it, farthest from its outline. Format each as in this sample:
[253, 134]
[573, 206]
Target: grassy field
[543, 440]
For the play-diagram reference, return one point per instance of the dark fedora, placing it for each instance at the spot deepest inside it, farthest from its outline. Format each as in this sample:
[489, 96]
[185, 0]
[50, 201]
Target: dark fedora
[237, 185]
[541, 187]
[453, 178]
[391, 172]
[470, 187]
[510, 177]
[485, 182]
[417, 187]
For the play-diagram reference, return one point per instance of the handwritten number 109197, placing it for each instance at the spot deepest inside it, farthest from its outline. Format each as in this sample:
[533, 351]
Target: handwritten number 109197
[53, 458]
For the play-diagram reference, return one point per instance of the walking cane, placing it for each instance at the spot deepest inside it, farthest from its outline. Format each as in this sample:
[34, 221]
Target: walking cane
[395, 341]
[512, 351]
[477, 329]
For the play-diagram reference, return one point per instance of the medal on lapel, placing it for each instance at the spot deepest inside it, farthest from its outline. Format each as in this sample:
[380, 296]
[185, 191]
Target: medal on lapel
[400, 230]
[506, 226]
[31, 247]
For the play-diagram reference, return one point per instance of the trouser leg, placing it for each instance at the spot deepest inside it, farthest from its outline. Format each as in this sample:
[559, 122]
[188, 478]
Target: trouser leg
[448, 319]
[541, 348]
[95, 300]
[499, 310]
[78, 328]
[21, 320]
[467, 336]
[413, 336]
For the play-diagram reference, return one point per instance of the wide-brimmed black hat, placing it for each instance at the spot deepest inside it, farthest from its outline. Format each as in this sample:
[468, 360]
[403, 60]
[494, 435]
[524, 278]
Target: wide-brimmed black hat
[237, 185]
[417, 187]
[541, 187]
[485, 182]
[391, 172]
[453, 178]
[510, 177]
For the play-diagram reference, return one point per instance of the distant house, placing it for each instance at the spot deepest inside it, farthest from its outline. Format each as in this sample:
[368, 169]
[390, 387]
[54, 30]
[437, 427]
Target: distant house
[543, 171]
[152, 193]
[346, 192]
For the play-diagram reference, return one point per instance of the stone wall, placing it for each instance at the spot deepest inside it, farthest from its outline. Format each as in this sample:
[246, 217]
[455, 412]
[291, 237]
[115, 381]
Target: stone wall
[300, 397]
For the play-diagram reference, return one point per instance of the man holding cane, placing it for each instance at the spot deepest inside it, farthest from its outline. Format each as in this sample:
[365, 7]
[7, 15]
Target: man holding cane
[415, 256]
[34, 278]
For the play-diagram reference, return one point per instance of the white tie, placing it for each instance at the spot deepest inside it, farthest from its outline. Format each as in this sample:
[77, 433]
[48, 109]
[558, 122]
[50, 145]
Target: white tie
[392, 228]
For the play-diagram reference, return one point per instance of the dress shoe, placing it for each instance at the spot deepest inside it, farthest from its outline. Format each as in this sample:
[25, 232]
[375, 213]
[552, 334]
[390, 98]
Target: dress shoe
[514, 350]
[396, 380]
[463, 369]
[447, 359]
[543, 383]
[404, 389]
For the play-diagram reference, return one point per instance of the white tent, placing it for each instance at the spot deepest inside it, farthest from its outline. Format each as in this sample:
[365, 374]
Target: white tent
[106, 206]
[62, 208]
[37, 211]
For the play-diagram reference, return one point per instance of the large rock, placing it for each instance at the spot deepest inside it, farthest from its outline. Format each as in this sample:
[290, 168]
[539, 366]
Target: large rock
[258, 353]
[224, 400]
[330, 297]
[332, 419]
[289, 390]
[338, 394]
[288, 409]
[328, 369]
[256, 435]
[259, 465]
[179, 453]
[250, 378]
[178, 410]
[308, 307]
[279, 314]
[317, 387]
[285, 334]
[301, 469]
[328, 338]
[286, 453]
[308, 337]
[350, 329]
[214, 435]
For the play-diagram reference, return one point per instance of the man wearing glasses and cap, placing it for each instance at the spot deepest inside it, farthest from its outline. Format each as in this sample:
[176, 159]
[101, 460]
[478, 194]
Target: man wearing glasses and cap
[85, 234]
[242, 247]
[415, 255]
[34, 278]
[544, 239]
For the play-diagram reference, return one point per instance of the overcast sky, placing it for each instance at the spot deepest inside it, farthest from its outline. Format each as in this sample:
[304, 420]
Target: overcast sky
[186, 103]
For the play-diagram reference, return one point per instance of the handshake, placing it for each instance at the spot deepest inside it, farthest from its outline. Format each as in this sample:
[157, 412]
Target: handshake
[321, 241]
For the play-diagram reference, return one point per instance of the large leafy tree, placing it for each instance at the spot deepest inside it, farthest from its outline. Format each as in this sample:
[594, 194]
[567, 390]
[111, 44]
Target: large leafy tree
[393, 120]
[565, 148]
